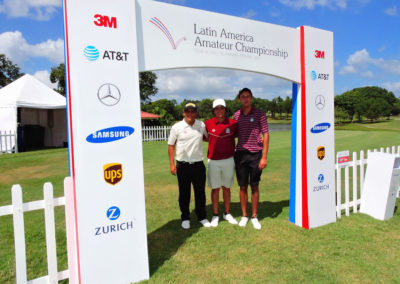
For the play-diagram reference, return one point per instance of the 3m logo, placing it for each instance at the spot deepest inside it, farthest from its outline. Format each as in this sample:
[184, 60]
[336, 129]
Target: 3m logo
[105, 21]
[319, 54]
[113, 173]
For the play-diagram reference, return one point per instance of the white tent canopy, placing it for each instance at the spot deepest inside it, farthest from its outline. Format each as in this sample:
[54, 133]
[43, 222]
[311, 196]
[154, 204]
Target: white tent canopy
[35, 99]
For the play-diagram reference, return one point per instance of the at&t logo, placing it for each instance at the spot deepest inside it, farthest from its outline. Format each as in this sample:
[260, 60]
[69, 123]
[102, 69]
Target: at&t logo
[92, 54]
[105, 21]
[319, 76]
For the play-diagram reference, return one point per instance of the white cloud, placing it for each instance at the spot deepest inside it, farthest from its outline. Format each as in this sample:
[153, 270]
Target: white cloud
[382, 48]
[311, 4]
[14, 46]
[360, 61]
[44, 77]
[391, 11]
[392, 87]
[36, 9]
[249, 14]
[200, 83]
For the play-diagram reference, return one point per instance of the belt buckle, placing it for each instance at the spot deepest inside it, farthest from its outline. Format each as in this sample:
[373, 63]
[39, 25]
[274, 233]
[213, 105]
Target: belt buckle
[190, 163]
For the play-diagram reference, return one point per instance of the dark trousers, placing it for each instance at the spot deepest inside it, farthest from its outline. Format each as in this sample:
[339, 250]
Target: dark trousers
[192, 174]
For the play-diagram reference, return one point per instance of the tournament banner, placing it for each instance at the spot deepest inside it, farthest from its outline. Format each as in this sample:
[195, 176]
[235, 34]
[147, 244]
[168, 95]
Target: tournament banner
[173, 36]
[312, 198]
[105, 142]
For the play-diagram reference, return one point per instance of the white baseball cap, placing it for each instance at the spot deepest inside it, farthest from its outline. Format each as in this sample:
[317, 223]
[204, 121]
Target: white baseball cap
[219, 102]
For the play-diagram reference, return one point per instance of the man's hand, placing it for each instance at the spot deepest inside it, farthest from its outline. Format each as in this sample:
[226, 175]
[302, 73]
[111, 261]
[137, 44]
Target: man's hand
[172, 168]
[263, 163]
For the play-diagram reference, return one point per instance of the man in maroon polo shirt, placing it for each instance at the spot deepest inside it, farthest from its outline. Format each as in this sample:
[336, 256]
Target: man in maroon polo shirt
[251, 153]
[221, 166]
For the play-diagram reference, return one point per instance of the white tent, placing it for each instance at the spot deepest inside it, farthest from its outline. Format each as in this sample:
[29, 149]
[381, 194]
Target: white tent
[28, 101]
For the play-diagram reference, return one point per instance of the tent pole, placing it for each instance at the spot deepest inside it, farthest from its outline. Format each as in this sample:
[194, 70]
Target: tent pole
[16, 131]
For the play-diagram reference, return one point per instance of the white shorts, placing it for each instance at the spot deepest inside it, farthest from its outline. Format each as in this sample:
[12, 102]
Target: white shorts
[220, 172]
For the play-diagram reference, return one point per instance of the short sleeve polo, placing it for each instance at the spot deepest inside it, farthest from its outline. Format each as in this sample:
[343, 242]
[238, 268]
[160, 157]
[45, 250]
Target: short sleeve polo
[250, 128]
[188, 141]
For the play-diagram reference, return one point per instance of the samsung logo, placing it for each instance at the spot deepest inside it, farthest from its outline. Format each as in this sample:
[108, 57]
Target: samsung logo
[321, 127]
[110, 134]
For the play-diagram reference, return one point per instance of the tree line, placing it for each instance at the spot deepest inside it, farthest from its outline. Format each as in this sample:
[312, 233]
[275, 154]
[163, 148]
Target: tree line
[171, 111]
[366, 103]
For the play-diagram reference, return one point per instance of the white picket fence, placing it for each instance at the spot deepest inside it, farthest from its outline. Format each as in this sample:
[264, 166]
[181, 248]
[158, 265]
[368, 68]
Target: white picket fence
[155, 133]
[353, 200]
[7, 140]
[17, 209]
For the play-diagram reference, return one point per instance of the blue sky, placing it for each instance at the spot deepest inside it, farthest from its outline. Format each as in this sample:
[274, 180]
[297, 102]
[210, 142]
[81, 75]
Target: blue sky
[366, 43]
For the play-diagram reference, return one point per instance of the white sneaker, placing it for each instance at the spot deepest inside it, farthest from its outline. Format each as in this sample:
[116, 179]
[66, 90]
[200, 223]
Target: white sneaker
[243, 221]
[186, 224]
[228, 217]
[256, 224]
[214, 221]
[205, 223]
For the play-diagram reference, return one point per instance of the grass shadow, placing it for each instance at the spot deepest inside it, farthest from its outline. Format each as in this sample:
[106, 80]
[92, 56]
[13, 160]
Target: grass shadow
[266, 209]
[164, 242]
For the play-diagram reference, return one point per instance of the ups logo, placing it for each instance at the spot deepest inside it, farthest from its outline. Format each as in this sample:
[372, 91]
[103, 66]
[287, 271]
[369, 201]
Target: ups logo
[321, 152]
[112, 173]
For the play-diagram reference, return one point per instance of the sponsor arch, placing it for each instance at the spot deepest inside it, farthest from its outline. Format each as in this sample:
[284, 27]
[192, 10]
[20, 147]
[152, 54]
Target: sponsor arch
[107, 44]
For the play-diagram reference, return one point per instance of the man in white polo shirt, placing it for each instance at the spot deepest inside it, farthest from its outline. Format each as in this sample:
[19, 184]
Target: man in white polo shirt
[185, 143]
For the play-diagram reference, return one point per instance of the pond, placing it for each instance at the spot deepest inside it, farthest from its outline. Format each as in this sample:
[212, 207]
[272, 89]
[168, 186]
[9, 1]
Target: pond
[276, 127]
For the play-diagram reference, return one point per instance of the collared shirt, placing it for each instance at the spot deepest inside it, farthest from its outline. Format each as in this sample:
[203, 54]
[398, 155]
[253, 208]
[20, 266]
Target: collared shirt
[188, 141]
[221, 138]
[250, 128]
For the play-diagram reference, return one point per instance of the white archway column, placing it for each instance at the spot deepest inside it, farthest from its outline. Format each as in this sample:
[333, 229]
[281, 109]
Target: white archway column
[312, 189]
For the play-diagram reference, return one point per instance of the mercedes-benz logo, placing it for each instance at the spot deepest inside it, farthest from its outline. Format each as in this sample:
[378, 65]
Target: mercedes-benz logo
[320, 102]
[109, 94]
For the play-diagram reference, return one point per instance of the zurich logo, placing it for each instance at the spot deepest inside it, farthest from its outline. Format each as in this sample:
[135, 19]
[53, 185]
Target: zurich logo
[321, 178]
[91, 53]
[110, 134]
[113, 213]
[313, 75]
[321, 127]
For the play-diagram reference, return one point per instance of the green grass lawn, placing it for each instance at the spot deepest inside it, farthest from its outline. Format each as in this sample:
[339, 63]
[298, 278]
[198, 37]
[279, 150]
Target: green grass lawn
[354, 249]
[392, 125]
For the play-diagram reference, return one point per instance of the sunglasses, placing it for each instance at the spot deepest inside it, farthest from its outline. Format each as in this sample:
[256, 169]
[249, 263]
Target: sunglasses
[190, 111]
